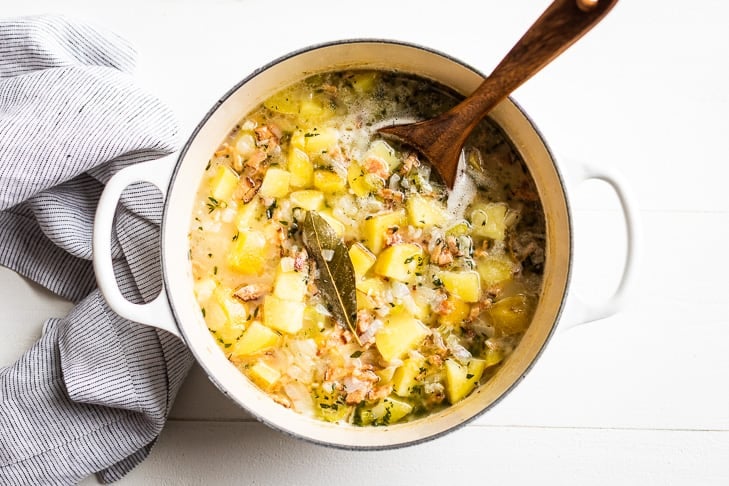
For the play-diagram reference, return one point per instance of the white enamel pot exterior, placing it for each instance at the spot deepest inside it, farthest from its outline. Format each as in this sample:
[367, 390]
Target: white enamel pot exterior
[176, 310]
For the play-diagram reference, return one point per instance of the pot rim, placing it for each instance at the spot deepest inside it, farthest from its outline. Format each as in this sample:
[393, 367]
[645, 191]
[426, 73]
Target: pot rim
[202, 362]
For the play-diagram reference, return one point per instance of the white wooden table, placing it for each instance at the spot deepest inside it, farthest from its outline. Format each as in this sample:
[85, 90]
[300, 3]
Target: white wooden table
[638, 398]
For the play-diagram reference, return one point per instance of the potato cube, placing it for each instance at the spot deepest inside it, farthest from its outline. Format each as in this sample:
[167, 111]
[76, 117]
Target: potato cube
[300, 167]
[223, 183]
[363, 183]
[256, 338]
[457, 312]
[286, 102]
[390, 410]
[332, 221]
[309, 199]
[400, 333]
[512, 315]
[489, 220]
[245, 144]
[371, 286]
[465, 285]
[461, 380]
[249, 214]
[494, 269]
[320, 140]
[406, 376]
[247, 254]
[364, 82]
[375, 228]
[290, 286]
[275, 183]
[263, 374]
[400, 261]
[383, 150]
[329, 182]
[362, 259]
[424, 212]
[283, 315]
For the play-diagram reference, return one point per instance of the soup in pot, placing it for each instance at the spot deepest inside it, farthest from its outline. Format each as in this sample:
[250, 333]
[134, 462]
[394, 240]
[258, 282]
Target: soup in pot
[331, 269]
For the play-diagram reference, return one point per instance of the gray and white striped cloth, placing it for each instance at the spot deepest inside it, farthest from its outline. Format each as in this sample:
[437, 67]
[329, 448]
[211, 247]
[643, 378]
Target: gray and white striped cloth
[93, 393]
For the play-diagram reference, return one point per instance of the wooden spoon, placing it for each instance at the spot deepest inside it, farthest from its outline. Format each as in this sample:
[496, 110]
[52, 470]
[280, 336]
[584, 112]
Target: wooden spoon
[440, 139]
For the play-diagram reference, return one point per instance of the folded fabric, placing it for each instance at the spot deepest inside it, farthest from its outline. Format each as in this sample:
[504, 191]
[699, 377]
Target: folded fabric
[92, 395]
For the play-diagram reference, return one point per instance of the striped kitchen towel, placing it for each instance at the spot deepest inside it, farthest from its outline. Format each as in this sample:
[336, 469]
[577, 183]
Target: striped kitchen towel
[92, 395]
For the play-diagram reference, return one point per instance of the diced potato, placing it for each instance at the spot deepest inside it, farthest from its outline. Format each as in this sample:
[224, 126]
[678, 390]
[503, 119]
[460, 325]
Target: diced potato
[290, 286]
[383, 150]
[286, 102]
[424, 212]
[362, 259]
[406, 376]
[309, 199]
[256, 338]
[400, 261]
[375, 228]
[371, 286]
[223, 183]
[512, 315]
[461, 228]
[314, 323]
[300, 167]
[275, 183]
[245, 144]
[329, 182]
[247, 254]
[385, 374]
[319, 140]
[264, 374]
[364, 82]
[332, 221]
[400, 333]
[390, 410]
[492, 356]
[204, 289]
[236, 311]
[489, 220]
[365, 301]
[459, 311]
[313, 109]
[465, 285]
[298, 140]
[329, 405]
[363, 183]
[494, 269]
[249, 214]
[461, 380]
[283, 315]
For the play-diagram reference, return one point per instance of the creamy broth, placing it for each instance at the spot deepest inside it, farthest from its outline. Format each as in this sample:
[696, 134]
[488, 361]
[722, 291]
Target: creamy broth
[439, 300]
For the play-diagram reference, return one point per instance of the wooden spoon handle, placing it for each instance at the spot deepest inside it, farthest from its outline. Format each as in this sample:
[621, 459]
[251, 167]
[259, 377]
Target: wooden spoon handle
[560, 26]
[440, 139]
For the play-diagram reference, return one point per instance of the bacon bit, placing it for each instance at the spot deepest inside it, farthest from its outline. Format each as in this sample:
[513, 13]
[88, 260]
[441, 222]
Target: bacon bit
[392, 198]
[224, 150]
[393, 236]
[452, 244]
[265, 135]
[375, 165]
[329, 88]
[441, 255]
[364, 319]
[256, 159]
[477, 308]
[281, 400]
[301, 261]
[445, 307]
[251, 292]
[250, 188]
[410, 161]
[379, 392]
[356, 396]
[435, 360]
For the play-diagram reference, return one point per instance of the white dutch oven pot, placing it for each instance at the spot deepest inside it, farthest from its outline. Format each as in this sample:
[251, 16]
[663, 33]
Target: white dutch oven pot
[176, 310]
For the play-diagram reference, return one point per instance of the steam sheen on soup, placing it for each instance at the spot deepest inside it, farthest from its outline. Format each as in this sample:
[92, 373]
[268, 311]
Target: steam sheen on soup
[439, 299]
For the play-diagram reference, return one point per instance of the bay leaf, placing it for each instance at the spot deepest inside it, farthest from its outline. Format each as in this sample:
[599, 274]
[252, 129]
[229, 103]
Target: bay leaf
[336, 274]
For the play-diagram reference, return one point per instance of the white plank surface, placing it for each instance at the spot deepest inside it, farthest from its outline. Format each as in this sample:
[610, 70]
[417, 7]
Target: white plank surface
[638, 398]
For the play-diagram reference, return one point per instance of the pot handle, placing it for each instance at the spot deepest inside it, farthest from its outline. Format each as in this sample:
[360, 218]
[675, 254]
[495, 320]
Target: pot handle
[578, 310]
[156, 313]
